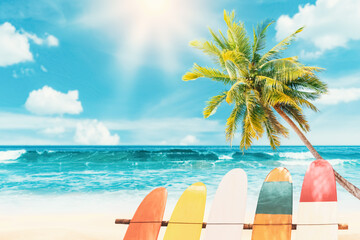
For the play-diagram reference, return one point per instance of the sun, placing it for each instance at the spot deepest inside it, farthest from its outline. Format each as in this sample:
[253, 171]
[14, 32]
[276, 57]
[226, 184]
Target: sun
[148, 32]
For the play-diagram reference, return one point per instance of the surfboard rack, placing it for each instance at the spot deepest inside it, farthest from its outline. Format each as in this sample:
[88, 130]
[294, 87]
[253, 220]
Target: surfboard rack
[247, 226]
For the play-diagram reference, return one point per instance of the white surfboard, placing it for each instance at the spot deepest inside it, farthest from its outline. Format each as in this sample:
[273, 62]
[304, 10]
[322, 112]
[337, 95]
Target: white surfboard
[227, 213]
[317, 215]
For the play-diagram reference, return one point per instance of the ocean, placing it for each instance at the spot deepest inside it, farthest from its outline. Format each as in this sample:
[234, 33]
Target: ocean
[35, 178]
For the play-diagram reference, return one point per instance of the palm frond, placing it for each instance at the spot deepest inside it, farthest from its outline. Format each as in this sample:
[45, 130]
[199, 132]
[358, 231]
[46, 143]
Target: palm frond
[290, 73]
[237, 34]
[217, 39]
[209, 49]
[240, 61]
[280, 98]
[260, 39]
[213, 104]
[297, 116]
[253, 119]
[281, 62]
[205, 72]
[232, 122]
[235, 91]
[252, 127]
[273, 136]
[231, 69]
[229, 17]
[278, 48]
[274, 122]
[309, 83]
[305, 103]
[272, 83]
[304, 93]
[226, 41]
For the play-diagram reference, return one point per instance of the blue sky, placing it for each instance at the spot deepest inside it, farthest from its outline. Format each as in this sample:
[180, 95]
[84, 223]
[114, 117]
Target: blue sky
[109, 71]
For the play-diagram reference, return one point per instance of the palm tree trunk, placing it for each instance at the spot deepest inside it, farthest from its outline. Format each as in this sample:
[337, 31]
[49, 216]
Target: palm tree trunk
[351, 188]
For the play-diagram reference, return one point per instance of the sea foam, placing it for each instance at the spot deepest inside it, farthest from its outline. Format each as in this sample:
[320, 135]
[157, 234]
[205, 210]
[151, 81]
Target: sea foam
[6, 156]
[296, 155]
[307, 162]
[225, 157]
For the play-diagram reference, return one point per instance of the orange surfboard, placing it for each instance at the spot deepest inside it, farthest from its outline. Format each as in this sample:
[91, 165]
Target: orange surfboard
[146, 223]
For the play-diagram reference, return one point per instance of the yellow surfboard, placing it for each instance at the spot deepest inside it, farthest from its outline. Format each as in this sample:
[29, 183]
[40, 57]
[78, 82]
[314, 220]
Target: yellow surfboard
[187, 217]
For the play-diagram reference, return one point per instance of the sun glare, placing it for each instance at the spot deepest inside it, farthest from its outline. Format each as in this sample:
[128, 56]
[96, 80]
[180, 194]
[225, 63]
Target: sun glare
[155, 6]
[144, 28]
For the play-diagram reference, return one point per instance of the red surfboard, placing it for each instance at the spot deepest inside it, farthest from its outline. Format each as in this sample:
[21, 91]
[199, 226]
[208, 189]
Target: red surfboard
[317, 216]
[146, 223]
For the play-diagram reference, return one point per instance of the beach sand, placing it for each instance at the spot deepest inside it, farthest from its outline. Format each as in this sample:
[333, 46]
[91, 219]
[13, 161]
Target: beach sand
[101, 226]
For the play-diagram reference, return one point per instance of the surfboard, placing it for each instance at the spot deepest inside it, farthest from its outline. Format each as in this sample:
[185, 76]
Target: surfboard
[273, 217]
[317, 214]
[187, 218]
[146, 222]
[227, 213]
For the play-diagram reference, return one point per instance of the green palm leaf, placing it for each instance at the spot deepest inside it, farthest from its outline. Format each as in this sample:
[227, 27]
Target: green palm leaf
[278, 48]
[232, 121]
[213, 104]
[235, 91]
[237, 34]
[205, 72]
[259, 39]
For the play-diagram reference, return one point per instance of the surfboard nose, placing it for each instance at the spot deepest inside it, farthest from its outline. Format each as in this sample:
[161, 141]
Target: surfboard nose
[319, 183]
[279, 174]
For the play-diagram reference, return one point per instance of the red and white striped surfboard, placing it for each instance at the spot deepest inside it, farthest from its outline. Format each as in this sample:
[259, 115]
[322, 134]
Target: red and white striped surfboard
[317, 215]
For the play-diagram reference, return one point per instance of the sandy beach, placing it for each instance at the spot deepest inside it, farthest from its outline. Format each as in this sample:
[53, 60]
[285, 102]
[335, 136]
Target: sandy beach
[82, 199]
[101, 226]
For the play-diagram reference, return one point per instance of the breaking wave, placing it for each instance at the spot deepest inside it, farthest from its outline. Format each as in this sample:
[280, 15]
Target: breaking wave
[183, 154]
[333, 162]
[57, 170]
[296, 155]
[10, 155]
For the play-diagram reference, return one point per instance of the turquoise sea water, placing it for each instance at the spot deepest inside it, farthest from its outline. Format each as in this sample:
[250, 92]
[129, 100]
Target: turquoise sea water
[127, 173]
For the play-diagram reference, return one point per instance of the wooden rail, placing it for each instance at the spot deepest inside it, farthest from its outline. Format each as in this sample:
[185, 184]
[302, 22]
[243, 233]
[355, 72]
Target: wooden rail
[248, 226]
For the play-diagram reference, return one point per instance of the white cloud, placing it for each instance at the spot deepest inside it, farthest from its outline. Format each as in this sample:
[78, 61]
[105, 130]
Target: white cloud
[189, 140]
[340, 95]
[344, 81]
[163, 142]
[310, 55]
[33, 37]
[14, 74]
[92, 132]
[50, 40]
[193, 125]
[167, 131]
[14, 46]
[14, 121]
[328, 24]
[26, 129]
[47, 101]
[54, 130]
[43, 68]
[23, 72]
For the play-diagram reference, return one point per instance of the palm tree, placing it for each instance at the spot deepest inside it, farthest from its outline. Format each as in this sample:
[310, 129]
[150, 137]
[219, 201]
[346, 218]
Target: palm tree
[262, 85]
